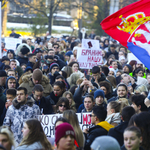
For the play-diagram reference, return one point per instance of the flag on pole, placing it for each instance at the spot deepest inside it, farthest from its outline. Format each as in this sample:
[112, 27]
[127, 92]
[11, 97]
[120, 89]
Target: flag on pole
[131, 27]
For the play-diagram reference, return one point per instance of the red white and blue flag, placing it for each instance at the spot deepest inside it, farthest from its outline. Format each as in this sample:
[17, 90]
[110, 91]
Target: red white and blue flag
[131, 27]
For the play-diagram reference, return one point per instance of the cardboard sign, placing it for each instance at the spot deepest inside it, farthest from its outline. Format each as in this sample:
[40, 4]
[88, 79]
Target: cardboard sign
[90, 54]
[48, 122]
[12, 42]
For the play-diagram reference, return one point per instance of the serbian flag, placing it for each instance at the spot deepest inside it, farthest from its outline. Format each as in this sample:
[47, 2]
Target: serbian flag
[131, 27]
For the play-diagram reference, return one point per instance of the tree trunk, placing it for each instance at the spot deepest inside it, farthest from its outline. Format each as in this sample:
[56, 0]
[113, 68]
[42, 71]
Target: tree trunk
[50, 18]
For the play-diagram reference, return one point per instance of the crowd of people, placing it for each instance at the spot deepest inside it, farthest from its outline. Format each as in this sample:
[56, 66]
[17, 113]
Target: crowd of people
[44, 77]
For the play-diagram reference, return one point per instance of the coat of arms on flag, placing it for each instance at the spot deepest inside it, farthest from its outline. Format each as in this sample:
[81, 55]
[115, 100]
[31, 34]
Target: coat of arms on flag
[131, 27]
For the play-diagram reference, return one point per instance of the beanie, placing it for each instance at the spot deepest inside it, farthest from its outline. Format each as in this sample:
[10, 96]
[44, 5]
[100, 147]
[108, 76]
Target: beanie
[38, 50]
[24, 50]
[130, 67]
[95, 69]
[99, 93]
[69, 53]
[37, 74]
[105, 143]
[53, 65]
[62, 130]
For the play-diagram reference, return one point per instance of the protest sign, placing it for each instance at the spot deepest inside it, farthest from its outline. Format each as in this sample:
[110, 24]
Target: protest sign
[12, 42]
[48, 122]
[90, 54]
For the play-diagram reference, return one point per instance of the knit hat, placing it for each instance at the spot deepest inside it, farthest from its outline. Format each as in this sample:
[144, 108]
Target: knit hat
[99, 93]
[62, 130]
[28, 68]
[130, 67]
[24, 50]
[37, 74]
[105, 143]
[95, 69]
[38, 50]
[69, 53]
[11, 51]
[53, 65]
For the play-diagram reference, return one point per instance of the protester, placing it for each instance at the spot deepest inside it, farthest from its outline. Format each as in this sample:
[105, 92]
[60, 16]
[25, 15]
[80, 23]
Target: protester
[23, 108]
[102, 143]
[117, 132]
[73, 120]
[101, 127]
[62, 105]
[34, 136]
[7, 138]
[132, 139]
[65, 137]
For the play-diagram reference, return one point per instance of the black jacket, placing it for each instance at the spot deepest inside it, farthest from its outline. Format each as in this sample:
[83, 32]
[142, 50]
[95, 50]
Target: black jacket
[117, 132]
[93, 133]
[115, 53]
[44, 105]
[22, 60]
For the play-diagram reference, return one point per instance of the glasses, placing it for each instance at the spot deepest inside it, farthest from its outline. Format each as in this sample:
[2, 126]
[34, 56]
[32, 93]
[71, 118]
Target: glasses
[56, 47]
[92, 115]
[62, 105]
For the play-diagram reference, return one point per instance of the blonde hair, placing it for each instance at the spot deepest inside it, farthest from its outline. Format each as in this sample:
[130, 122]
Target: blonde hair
[5, 130]
[73, 120]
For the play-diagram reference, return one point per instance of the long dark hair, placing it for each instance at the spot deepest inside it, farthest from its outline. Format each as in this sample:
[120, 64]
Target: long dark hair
[142, 121]
[36, 134]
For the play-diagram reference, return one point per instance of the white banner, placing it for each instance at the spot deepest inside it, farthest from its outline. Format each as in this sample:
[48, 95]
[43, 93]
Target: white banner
[11, 43]
[90, 54]
[48, 122]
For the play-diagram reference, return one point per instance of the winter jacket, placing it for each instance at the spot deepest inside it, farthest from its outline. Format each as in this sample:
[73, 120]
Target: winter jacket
[55, 98]
[20, 47]
[17, 114]
[100, 129]
[19, 71]
[110, 53]
[22, 60]
[44, 105]
[117, 132]
[36, 145]
[114, 118]
[29, 85]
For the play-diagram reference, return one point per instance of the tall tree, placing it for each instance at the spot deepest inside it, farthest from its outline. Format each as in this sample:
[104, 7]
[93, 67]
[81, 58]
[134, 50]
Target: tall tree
[46, 7]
